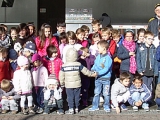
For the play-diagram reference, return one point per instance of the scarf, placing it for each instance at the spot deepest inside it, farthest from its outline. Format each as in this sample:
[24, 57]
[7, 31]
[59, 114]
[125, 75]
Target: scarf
[131, 46]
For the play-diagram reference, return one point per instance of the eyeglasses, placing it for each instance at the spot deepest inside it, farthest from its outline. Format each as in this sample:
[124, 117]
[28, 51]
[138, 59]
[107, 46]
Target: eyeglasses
[150, 39]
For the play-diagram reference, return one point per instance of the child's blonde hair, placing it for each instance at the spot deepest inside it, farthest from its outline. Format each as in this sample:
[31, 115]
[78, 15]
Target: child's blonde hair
[106, 30]
[148, 33]
[85, 49]
[103, 43]
[116, 33]
[5, 84]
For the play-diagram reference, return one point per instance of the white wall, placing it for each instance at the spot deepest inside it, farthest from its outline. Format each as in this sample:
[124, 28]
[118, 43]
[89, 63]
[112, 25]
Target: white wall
[120, 11]
[22, 11]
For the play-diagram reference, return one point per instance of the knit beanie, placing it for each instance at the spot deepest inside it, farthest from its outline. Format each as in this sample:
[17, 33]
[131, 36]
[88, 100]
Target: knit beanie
[52, 80]
[36, 57]
[12, 54]
[22, 60]
[30, 47]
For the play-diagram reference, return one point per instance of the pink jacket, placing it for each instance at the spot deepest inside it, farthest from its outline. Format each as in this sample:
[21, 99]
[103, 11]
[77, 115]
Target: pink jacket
[42, 51]
[84, 43]
[53, 66]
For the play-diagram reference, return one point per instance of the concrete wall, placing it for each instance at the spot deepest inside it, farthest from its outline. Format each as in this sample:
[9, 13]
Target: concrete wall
[120, 11]
[22, 11]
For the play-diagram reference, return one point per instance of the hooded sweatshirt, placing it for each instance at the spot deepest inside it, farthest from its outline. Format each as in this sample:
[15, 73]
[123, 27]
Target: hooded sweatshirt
[118, 89]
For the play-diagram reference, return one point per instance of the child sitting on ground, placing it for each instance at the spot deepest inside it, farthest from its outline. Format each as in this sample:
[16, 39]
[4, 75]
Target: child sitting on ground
[120, 92]
[140, 94]
[53, 95]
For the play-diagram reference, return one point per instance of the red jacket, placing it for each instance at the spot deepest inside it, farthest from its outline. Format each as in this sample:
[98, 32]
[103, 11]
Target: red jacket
[42, 51]
[53, 66]
[112, 47]
[5, 70]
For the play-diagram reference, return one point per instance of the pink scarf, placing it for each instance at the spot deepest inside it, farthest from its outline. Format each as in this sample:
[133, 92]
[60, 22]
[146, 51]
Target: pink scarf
[131, 46]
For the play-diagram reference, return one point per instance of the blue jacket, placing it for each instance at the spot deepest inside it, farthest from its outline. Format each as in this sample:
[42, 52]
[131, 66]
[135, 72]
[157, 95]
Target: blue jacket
[142, 89]
[158, 56]
[141, 58]
[123, 54]
[103, 66]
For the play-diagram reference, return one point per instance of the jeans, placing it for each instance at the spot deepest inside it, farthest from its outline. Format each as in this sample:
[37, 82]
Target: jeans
[59, 105]
[158, 77]
[9, 104]
[139, 96]
[73, 97]
[104, 87]
[148, 82]
[38, 96]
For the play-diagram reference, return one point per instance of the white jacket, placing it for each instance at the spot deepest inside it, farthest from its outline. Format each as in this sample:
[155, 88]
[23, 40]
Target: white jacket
[57, 94]
[22, 81]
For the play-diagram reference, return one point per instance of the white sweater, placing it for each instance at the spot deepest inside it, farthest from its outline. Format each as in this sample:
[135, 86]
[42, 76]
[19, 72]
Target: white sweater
[22, 81]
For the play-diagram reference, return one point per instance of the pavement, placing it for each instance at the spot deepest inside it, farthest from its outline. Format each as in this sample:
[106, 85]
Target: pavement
[84, 114]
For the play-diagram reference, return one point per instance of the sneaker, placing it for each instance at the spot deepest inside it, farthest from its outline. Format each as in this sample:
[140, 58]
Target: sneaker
[146, 109]
[31, 110]
[93, 109]
[44, 113]
[14, 112]
[70, 111]
[123, 107]
[4, 111]
[135, 108]
[40, 110]
[158, 109]
[76, 110]
[60, 112]
[107, 110]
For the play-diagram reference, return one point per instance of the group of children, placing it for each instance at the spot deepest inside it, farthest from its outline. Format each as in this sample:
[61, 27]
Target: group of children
[38, 71]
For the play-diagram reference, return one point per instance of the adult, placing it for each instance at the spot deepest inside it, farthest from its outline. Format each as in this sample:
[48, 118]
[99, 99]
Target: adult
[105, 20]
[154, 22]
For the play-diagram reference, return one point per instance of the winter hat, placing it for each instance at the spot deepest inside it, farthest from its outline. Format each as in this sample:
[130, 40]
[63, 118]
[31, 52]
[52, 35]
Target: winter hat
[71, 55]
[22, 60]
[52, 80]
[30, 47]
[36, 57]
[13, 54]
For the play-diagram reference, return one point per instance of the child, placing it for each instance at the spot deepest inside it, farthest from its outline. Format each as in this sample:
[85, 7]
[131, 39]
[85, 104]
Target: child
[13, 34]
[53, 96]
[5, 68]
[40, 76]
[120, 92]
[140, 37]
[158, 56]
[86, 60]
[106, 34]
[22, 81]
[147, 67]
[80, 37]
[69, 76]
[8, 97]
[32, 30]
[52, 62]
[93, 48]
[45, 39]
[95, 27]
[4, 39]
[63, 42]
[103, 67]
[72, 43]
[86, 29]
[29, 50]
[13, 59]
[61, 27]
[139, 94]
